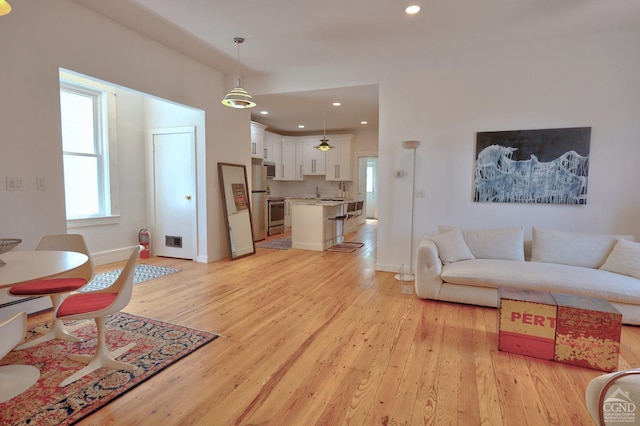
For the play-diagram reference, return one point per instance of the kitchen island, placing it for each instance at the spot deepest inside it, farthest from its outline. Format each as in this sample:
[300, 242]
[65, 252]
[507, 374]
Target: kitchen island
[311, 228]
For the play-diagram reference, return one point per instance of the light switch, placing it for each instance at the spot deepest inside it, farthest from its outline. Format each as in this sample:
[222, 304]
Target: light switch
[41, 183]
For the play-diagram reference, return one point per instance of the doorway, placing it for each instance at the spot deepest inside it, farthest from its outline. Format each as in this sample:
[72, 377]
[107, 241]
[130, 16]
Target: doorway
[174, 192]
[368, 185]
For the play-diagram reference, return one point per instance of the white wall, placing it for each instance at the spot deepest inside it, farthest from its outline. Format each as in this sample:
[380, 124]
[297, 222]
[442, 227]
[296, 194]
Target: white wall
[587, 81]
[37, 39]
[444, 99]
[575, 81]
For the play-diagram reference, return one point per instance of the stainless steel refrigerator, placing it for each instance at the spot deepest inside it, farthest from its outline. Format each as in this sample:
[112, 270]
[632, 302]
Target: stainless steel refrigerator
[259, 201]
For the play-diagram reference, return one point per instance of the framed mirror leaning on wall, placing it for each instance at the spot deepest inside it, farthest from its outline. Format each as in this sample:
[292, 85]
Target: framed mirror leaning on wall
[237, 211]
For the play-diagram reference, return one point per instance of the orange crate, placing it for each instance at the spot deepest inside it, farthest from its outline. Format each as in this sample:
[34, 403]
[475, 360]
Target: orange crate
[527, 323]
[587, 332]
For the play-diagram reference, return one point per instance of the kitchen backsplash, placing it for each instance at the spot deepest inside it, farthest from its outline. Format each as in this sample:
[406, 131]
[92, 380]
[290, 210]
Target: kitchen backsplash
[307, 188]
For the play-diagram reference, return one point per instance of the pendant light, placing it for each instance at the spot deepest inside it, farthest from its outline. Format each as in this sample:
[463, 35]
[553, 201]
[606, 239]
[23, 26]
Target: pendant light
[5, 7]
[238, 97]
[324, 142]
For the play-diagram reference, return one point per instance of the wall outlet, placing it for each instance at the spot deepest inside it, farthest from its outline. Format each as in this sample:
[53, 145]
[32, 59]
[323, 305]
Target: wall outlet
[14, 183]
[420, 193]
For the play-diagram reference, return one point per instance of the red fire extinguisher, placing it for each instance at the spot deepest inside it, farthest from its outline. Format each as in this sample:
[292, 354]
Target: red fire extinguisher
[143, 239]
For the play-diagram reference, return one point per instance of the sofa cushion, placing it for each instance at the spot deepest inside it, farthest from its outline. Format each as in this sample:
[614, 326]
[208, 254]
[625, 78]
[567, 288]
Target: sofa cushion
[498, 243]
[552, 277]
[572, 248]
[451, 246]
[624, 259]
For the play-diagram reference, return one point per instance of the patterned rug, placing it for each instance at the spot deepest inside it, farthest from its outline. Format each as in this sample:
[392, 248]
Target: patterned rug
[283, 243]
[158, 345]
[141, 274]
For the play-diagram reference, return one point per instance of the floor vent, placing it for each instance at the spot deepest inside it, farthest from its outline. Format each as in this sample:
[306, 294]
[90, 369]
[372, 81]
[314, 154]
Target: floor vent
[172, 241]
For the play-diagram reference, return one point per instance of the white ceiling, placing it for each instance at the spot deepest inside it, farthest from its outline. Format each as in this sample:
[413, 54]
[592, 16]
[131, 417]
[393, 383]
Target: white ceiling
[286, 35]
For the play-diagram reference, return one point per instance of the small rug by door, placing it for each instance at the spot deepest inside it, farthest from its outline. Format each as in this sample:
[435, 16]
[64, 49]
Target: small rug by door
[158, 345]
[142, 273]
[353, 243]
[283, 243]
[343, 248]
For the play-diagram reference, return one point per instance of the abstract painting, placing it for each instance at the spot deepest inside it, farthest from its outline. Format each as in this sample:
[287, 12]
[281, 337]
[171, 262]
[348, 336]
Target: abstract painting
[548, 166]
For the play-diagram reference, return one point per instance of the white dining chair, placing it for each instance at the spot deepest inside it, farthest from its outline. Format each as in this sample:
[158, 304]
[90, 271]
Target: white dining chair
[57, 287]
[614, 398]
[97, 305]
[14, 379]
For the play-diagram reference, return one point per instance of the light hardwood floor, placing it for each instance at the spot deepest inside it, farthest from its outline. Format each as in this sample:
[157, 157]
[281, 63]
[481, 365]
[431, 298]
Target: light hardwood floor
[322, 338]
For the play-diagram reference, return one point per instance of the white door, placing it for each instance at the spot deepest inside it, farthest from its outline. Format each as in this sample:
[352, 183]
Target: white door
[174, 191]
[371, 188]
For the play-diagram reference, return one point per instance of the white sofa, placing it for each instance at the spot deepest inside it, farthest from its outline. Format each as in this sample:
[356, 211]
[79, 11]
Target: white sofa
[468, 265]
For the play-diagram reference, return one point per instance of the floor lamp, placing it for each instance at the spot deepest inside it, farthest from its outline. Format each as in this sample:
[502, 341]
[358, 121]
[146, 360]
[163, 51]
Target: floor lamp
[414, 146]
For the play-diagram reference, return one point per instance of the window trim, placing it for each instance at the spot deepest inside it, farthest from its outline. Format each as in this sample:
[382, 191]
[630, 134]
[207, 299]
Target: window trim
[106, 130]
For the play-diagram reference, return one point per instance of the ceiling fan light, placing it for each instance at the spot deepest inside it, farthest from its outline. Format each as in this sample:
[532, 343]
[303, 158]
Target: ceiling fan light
[5, 7]
[238, 98]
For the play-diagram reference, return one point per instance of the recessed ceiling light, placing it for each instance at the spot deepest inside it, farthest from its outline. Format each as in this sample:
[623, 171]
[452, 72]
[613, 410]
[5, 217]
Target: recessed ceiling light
[336, 104]
[413, 9]
[264, 112]
[300, 126]
[363, 122]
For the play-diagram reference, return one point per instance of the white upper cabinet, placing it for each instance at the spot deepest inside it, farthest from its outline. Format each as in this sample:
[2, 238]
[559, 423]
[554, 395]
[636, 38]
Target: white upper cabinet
[313, 160]
[338, 159]
[296, 156]
[270, 141]
[291, 159]
[257, 140]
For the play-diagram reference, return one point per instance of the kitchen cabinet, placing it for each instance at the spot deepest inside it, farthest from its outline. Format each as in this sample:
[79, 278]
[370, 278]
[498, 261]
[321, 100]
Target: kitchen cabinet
[313, 160]
[287, 214]
[291, 159]
[270, 141]
[257, 140]
[311, 228]
[339, 159]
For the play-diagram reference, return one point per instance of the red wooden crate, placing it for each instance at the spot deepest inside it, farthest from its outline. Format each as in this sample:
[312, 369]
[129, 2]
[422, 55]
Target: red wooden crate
[587, 332]
[527, 323]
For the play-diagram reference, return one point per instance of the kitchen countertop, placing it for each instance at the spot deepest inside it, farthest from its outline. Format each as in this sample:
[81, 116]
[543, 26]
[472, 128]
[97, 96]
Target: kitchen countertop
[324, 201]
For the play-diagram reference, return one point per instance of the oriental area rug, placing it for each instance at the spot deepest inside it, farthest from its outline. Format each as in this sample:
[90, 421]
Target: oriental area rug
[158, 345]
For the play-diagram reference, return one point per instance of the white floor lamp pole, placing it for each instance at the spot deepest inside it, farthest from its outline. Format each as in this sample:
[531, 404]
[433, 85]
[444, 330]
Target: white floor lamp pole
[414, 146]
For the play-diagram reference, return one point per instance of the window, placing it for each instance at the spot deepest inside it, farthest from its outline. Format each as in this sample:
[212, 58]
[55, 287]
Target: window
[369, 178]
[84, 118]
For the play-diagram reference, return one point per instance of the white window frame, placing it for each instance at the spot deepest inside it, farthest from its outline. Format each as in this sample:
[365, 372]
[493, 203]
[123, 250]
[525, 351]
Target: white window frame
[105, 138]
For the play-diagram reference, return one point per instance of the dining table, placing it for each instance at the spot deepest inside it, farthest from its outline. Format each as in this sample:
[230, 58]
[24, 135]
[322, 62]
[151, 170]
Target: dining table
[23, 266]
[19, 267]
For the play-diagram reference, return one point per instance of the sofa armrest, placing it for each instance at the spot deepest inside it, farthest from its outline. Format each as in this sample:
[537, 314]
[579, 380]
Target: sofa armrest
[428, 269]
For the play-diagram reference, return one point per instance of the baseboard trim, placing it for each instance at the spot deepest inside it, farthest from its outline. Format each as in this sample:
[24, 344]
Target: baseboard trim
[110, 256]
[29, 305]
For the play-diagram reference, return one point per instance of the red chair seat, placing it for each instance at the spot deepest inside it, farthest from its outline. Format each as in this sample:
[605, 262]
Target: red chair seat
[85, 302]
[47, 286]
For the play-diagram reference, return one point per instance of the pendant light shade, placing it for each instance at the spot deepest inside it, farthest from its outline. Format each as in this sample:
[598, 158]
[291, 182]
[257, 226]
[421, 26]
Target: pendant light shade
[324, 142]
[238, 97]
[5, 7]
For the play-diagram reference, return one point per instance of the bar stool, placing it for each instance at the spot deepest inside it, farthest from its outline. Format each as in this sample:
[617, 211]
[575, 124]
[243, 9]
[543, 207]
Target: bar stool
[351, 209]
